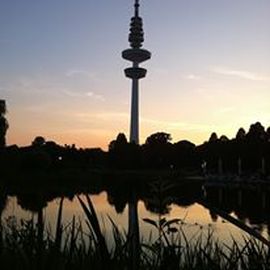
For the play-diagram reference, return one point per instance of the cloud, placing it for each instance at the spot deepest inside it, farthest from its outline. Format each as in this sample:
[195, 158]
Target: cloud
[175, 125]
[95, 96]
[193, 77]
[146, 122]
[77, 94]
[72, 93]
[28, 89]
[242, 74]
[112, 116]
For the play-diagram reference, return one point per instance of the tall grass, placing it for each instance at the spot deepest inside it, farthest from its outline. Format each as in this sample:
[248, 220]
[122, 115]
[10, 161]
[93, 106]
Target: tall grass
[29, 245]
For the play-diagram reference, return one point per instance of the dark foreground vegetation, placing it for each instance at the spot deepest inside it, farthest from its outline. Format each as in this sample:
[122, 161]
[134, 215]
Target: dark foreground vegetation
[28, 245]
[246, 154]
[84, 244]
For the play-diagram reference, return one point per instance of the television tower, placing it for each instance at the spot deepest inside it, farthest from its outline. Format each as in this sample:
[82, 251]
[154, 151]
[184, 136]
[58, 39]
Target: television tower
[136, 55]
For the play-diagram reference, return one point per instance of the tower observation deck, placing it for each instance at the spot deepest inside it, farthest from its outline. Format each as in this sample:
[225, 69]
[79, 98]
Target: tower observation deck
[136, 55]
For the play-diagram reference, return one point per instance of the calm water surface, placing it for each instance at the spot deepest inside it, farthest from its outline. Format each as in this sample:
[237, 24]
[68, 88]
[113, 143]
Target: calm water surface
[196, 217]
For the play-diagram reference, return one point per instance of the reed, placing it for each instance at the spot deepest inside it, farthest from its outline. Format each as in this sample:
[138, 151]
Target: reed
[26, 245]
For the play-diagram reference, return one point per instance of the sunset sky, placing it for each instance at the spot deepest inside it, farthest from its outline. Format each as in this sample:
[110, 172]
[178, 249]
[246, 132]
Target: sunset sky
[61, 71]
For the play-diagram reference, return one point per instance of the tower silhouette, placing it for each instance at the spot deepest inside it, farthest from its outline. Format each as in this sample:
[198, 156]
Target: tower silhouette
[136, 55]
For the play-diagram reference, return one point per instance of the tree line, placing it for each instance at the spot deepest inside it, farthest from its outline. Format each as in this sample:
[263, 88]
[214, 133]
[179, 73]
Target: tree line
[247, 153]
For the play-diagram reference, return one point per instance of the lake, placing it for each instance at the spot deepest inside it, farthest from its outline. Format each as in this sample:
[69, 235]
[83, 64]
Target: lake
[184, 199]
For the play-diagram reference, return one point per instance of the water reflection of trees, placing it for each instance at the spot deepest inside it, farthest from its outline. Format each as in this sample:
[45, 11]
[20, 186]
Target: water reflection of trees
[249, 204]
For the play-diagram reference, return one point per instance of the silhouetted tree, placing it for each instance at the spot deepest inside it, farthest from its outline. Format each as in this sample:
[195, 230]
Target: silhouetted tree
[238, 145]
[256, 133]
[157, 150]
[227, 156]
[35, 159]
[121, 141]
[158, 138]
[251, 150]
[268, 134]
[3, 123]
[184, 155]
[213, 137]
[224, 138]
[124, 155]
[96, 158]
[39, 141]
[218, 153]
[210, 153]
[241, 134]
[256, 140]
